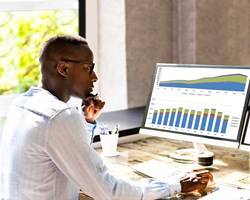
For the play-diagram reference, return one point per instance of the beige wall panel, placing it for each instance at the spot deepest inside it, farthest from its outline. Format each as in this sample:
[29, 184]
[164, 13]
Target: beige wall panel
[148, 41]
[222, 30]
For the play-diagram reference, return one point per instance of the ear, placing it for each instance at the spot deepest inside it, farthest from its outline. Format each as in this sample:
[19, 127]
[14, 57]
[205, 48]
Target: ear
[62, 68]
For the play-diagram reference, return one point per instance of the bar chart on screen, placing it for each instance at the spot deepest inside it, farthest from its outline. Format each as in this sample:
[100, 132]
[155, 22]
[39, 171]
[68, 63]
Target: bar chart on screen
[192, 119]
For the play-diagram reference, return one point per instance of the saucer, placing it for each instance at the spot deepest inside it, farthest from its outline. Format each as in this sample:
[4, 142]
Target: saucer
[110, 154]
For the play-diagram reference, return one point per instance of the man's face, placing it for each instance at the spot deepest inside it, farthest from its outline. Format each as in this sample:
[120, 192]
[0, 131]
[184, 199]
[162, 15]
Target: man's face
[81, 75]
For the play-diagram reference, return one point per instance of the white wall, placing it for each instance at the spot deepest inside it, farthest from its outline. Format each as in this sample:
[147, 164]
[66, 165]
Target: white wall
[106, 36]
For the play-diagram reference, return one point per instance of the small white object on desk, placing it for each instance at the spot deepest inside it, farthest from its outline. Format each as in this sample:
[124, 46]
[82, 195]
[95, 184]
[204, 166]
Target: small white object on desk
[109, 141]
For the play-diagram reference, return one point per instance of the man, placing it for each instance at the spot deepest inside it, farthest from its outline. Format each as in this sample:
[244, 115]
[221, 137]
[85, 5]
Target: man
[45, 146]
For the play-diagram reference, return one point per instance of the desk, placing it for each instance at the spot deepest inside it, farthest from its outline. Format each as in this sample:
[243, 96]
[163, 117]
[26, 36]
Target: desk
[231, 166]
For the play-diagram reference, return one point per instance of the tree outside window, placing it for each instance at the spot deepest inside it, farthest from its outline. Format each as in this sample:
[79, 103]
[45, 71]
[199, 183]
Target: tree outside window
[23, 33]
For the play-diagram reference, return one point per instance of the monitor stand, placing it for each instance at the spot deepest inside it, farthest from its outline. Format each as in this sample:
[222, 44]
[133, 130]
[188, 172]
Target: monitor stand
[198, 154]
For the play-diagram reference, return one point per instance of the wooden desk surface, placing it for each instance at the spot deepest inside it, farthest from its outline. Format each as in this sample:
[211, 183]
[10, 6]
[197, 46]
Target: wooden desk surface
[230, 166]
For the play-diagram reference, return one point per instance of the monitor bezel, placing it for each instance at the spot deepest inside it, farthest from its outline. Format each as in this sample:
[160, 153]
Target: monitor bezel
[232, 143]
[243, 145]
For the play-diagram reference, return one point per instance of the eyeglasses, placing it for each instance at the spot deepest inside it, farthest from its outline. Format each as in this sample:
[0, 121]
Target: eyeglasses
[90, 68]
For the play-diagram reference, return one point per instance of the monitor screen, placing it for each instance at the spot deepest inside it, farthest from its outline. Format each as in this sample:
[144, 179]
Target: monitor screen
[198, 103]
[245, 142]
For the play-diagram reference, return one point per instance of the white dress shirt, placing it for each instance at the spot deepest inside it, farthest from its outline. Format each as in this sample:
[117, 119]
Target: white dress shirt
[46, 155]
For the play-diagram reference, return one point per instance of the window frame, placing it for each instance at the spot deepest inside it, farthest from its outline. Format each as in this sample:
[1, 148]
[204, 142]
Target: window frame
[29, 5]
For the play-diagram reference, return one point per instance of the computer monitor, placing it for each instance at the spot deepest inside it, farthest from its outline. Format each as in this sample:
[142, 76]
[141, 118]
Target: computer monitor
[245, 140]
[203, 104]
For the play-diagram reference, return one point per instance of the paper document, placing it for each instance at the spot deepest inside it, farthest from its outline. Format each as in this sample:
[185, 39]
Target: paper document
[158, 169]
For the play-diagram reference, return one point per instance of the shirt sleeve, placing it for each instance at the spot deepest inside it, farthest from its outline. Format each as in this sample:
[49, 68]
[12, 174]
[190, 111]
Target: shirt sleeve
[158, 189]
[93, 129]
[69, 148]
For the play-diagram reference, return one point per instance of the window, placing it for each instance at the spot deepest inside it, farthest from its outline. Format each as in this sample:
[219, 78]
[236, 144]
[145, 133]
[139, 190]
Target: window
[25, 28]
[25, 25]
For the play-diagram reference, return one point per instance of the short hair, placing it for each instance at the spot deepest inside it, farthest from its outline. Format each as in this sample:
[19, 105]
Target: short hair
[59, 45]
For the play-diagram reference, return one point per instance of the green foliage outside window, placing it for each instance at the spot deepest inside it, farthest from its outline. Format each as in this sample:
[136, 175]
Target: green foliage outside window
[22, 34]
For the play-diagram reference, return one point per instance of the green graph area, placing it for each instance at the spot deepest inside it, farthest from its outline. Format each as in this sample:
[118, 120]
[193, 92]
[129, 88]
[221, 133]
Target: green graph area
[240, 78]
[232, 82]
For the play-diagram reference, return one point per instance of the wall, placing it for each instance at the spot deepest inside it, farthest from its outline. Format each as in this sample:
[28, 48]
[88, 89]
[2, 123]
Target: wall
[148, 41]
[223, 32]
[135, 35]
[190, 31]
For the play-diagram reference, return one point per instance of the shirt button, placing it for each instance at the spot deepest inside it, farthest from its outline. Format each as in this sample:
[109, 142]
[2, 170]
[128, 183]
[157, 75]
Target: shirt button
[99, 168]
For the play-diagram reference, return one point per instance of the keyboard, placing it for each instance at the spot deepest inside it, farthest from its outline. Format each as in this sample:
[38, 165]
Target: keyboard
[227, 193]
[215, 191]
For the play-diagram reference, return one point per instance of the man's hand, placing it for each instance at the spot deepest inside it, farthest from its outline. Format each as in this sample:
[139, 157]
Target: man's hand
[91, 107]
[196, 180]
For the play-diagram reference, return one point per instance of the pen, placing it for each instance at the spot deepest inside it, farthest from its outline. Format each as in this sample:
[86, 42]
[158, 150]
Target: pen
[94, 99]
[214, 190]
[95, 96]
[104, 129]
[116, 129]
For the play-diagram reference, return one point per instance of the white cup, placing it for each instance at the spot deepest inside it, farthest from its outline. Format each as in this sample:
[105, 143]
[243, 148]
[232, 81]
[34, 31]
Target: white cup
[109, 144]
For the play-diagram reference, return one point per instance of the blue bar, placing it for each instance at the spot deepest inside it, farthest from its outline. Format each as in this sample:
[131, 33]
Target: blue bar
[184, 119]
[160, 116]
[166, 117]
[154, 116]
[171, 123]
[204, 119]
[217, 122]
[224, 124]
[211, 120]
[191, 119]
[197, 120]
[178, 119]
